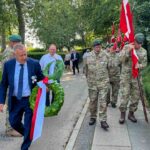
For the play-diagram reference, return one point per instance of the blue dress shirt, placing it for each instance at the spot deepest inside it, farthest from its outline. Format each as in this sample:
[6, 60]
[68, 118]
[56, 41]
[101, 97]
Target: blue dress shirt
[26, 87]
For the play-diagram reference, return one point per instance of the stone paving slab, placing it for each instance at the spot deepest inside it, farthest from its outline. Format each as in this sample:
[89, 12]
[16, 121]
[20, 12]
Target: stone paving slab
[130, 136]
[110, 148]
[116, 136]
[139, 133]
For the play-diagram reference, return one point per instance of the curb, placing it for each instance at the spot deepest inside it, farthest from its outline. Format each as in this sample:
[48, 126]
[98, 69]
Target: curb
[77, 127]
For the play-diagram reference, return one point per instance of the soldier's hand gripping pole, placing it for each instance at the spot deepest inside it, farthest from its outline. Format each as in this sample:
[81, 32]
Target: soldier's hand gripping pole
[142, 99]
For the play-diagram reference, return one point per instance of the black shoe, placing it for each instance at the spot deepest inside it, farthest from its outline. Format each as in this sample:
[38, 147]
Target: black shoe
[108, 102]
[104, 125]
[92, 121]
[113, 105]
[122, 118]
[131, 117]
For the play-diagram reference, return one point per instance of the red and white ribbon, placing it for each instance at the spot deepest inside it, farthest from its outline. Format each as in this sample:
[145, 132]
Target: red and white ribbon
[38, 113]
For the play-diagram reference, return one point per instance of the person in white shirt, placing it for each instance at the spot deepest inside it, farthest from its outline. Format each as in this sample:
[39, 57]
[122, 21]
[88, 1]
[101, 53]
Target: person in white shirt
[85, 55]
[67, 60]
[48, 58]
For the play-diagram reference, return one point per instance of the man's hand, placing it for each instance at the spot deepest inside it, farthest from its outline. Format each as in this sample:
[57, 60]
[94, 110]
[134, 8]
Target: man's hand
[131, 46]
[1, 107]
[138, 66]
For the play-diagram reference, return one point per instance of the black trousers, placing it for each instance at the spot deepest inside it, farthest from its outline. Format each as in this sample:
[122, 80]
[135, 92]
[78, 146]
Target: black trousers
[75, 65]
[20, 108]
[47, 96]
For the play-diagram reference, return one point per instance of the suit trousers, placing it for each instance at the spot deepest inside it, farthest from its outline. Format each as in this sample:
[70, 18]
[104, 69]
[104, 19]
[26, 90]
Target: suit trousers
[75, 65]
[20, 108]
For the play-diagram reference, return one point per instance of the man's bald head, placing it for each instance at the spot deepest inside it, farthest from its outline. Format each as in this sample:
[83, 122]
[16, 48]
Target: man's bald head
[52, 49]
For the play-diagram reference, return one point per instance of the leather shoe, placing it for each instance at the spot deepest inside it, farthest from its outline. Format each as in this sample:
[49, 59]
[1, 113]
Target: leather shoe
[108, 102]
[92, 121]
[13, 133]
[122, 118]
[131, 117]
[104, 125]
[113, 105]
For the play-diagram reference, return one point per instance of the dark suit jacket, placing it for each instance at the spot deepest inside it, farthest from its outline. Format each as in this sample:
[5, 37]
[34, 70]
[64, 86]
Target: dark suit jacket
[34, 69]
[77, 57]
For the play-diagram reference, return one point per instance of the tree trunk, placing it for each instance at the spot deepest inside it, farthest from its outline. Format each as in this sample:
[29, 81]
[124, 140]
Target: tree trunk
[3, 40]
[20, 20]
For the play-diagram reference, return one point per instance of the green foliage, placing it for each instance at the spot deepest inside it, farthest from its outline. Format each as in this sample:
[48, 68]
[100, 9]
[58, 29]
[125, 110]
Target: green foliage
[38, 55]
[36, 50]
[58, 22]
[99, 15]
[146, 81]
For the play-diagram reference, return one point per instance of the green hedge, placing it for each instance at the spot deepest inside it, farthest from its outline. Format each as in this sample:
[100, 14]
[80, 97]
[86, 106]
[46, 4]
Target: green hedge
[38, 55]
[146, 81]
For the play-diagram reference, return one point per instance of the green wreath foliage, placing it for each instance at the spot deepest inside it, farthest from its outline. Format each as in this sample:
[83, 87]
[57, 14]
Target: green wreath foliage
[56, 88]
[58, 71]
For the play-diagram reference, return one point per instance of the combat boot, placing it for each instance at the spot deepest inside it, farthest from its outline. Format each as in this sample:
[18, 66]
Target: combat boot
[104, 125]
[122, 118]
[131, 117]
[92, 121]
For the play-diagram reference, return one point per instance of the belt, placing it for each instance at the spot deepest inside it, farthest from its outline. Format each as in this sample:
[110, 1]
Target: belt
[24, 97]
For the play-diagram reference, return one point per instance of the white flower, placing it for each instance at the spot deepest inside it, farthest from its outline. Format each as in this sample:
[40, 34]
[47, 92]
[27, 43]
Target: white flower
[34, 79]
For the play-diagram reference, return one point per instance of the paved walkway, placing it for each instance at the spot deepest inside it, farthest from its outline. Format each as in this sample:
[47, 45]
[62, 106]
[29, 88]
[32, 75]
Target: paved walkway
[130, 136]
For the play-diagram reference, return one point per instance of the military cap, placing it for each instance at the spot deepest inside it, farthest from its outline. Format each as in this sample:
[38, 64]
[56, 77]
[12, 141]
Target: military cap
[139, 37]
[97, 42]
[15, 38]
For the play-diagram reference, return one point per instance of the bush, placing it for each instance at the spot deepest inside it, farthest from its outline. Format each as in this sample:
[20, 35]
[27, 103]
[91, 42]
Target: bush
[36, 50]
[38, 55]
[146, 82]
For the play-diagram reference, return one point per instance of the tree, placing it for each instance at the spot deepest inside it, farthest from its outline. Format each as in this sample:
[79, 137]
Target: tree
[20, 17]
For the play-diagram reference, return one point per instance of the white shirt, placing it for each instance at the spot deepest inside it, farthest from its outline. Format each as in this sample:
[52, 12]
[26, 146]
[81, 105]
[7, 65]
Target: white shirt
[46, 59]
[67, 57]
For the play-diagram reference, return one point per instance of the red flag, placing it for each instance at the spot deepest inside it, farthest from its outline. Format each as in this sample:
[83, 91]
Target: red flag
[119, 37]
[113, 34]
[126, 21]
[113, 29]
[135, 59]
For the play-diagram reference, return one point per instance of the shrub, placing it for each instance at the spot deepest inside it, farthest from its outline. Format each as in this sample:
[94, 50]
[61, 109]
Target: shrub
[36, 50]
[146, 82]
[38, 55]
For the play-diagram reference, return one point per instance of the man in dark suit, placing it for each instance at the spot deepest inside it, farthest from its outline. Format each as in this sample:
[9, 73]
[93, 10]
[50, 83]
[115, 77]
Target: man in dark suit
[75, 61]
[17, 75]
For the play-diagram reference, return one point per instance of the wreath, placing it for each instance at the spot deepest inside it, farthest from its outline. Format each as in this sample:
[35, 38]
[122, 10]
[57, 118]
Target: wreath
[56, 88]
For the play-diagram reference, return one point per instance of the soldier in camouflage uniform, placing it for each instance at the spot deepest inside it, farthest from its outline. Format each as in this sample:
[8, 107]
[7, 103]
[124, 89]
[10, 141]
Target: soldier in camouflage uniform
[97, 78]
[128, 85]
[6, 55]
[114, 68]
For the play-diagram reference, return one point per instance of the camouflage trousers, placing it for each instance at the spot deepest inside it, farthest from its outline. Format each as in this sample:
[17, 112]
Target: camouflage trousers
[98, 102]
[113, 91]
[129, 91]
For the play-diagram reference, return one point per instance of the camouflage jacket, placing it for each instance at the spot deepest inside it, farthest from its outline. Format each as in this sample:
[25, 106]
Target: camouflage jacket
[97, 69]
[125, 57]
[7, 54]
[114, 66]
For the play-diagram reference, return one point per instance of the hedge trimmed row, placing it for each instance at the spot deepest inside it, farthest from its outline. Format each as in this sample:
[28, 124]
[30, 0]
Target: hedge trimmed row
[38, 55]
